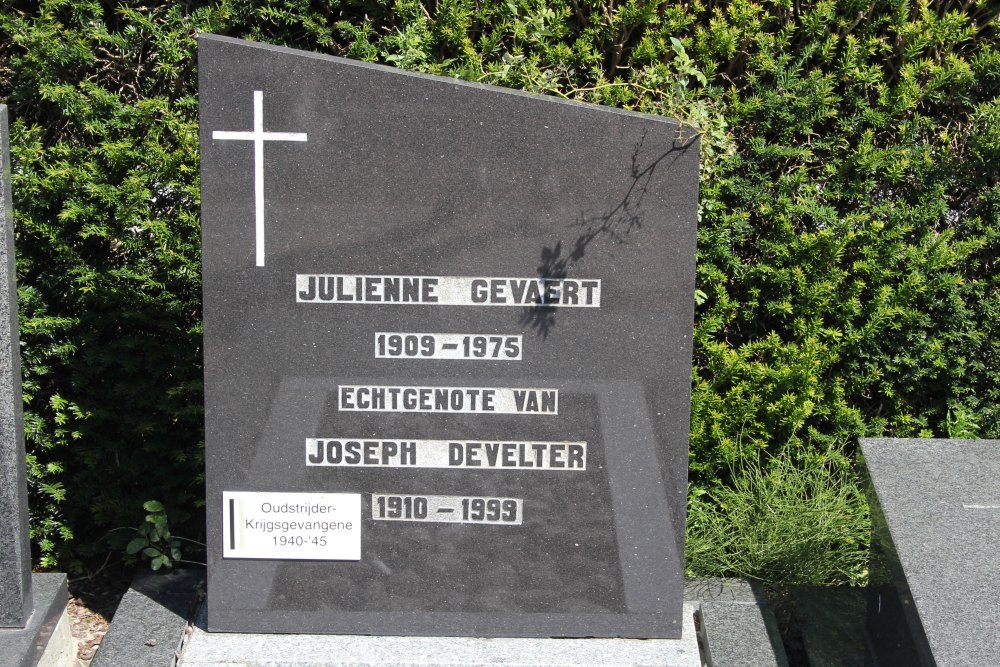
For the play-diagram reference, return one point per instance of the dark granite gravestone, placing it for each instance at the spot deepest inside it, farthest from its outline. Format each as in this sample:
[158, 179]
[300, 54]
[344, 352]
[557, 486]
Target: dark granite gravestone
[936, 529]
[447, 353]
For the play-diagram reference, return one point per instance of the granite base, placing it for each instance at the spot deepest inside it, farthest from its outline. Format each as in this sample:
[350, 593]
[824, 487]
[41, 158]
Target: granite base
[154, 627]
[205, 649]
[43, 641]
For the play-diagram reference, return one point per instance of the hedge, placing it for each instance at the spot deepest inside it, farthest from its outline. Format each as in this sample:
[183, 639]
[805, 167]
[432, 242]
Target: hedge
[848, 235]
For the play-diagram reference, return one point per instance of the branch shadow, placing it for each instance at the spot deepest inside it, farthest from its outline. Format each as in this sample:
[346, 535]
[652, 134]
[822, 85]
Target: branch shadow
[614, 225]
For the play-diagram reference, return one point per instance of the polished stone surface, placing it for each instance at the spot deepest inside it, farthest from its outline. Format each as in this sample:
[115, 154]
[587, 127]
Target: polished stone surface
[831, 624]
[15, 549]
[27, 646]
[369, 171]
[936, 527]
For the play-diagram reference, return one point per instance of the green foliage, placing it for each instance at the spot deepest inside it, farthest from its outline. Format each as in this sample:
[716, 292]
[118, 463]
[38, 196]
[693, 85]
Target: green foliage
[848, 238]
[961, 424]
[106, 179]
[850, 265]
[781, 523]
[153, 540]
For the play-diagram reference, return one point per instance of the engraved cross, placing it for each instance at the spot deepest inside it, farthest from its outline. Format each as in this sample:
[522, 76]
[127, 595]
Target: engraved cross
[258, 136]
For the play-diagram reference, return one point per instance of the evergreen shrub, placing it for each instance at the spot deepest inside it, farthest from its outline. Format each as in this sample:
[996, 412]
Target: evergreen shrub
[848, 231]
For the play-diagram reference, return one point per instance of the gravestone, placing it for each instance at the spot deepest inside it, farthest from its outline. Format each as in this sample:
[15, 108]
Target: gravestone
[34, 628]
[15, 550]
[935, 530]
[447, 354]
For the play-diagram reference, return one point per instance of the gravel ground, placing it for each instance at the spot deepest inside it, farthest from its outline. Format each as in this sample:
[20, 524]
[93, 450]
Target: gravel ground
[92, 603]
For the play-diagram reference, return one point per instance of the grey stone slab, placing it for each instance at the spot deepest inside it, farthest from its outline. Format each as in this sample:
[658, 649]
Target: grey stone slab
[936, 527]
[24, 647]
[361, 171]
[737, 625]
[15, 549]
[739, 628]
[732, 634]
[208, 649]
[149, 624]
[733, 612]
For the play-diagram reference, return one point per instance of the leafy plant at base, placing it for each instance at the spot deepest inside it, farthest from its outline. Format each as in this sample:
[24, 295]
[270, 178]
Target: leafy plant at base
[154, 541]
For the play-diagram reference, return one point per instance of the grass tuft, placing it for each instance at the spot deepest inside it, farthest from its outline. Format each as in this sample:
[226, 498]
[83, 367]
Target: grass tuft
[781, 523]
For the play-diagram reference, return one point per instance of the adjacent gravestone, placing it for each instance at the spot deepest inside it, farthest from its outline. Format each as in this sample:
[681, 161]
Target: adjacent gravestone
[936, 526]
[34, 628]
[447, 353]
[15, 550]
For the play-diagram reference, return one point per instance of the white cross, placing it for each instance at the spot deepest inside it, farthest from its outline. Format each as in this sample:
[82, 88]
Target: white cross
[258, 137]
